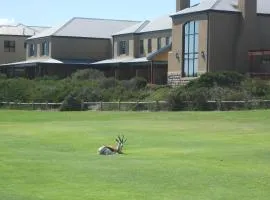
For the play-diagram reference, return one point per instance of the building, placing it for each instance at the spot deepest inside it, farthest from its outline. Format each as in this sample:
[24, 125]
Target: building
[12, 41]
[212, 36]
[141, 50]
[63, 49]
[218, 35]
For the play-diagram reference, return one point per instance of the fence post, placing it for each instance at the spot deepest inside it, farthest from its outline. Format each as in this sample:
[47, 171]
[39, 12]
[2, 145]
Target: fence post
[33, 105]
[119, 105]
[82, 105]
[101, 106]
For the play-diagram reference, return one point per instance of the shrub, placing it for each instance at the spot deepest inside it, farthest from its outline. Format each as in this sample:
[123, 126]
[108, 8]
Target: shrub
[45, 78]
[135, 83]
[138, 83]
[108, 83]
[182, 98]
[16, 89]
[3, 76]
[89, 94]
[257, 87]
[88, 74]
[71, 103]
[224, 79]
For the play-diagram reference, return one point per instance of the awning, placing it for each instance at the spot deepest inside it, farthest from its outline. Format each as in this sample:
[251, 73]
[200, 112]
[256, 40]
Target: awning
[164, 49]
[122, 60]
[26, 62]
[33, 62]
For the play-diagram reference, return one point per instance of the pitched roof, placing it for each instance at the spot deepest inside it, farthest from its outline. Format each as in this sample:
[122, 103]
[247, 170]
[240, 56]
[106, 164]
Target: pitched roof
[87, 27]
[158, 24]
[223, 5]
[39, 28]
[159, 51]
[133, 29]
[121, 60]
[19, 29]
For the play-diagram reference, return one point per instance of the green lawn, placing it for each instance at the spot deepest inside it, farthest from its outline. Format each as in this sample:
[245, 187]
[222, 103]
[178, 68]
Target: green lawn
[172, 156]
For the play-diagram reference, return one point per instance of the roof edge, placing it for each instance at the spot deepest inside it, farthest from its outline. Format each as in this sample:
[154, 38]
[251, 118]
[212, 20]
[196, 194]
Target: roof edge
[63, 26]
[161, 50]
[205, 11]
[143, 25]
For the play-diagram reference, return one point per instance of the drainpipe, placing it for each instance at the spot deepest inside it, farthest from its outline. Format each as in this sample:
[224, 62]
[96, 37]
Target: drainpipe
[151, 72]
[208, 39]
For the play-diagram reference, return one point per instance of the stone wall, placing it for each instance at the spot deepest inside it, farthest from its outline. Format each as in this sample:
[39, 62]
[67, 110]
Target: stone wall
[175, 79]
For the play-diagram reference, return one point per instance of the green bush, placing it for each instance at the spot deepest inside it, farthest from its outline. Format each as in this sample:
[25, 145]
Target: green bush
[3, 76]
[257, 87]
[71, 103]
[108, 83]
[224, 79]
[17, 89]
[88, 74]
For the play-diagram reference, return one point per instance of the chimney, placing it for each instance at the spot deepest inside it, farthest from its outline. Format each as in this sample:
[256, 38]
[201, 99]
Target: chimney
[248, 9]
[182, 4]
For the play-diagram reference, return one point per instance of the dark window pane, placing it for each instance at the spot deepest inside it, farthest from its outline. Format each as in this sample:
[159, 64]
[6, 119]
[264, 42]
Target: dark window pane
[149, 45]
[141, 47]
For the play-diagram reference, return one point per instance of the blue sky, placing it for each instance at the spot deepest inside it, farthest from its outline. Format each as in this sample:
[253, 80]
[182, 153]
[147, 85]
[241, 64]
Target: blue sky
[52, 12]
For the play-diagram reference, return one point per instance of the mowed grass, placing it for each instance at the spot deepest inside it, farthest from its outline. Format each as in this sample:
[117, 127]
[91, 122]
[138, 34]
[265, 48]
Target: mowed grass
[185, 155]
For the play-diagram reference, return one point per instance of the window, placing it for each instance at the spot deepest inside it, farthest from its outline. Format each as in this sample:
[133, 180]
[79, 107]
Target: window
[32, 50]
[149, 45]
[45, 48]
[159, 43]
[9, 46]
[168, 40]
[123, 48]
[191, 48]
[141, 47]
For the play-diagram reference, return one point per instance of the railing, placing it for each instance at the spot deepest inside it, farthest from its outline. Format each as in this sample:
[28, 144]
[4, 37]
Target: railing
[141, 105]
[95, 106]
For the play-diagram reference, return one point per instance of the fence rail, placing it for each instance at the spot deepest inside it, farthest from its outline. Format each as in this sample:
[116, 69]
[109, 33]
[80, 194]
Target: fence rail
[95, 106]
[140, 105]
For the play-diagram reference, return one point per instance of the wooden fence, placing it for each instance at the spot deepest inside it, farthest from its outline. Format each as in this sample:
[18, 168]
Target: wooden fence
[140, 105]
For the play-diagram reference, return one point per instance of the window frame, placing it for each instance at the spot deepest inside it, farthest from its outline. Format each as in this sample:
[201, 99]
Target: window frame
[9, 46]
[141, 47]
[149, 45]
[44, 51]
[123, 47]
[167, 42]
[190, 49]
[159, 43]
[32, 50]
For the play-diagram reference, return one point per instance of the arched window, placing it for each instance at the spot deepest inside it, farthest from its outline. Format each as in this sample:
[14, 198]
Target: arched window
[191, 48]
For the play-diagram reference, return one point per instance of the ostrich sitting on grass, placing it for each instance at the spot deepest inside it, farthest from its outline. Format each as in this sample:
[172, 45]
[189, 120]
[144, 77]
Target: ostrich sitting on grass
[108, 150]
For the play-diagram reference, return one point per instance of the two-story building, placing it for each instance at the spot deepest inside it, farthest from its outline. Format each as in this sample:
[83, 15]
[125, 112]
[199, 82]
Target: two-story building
[141, 50]
[73, 45]
[12, 41]
[214, 35]
[219, 35]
